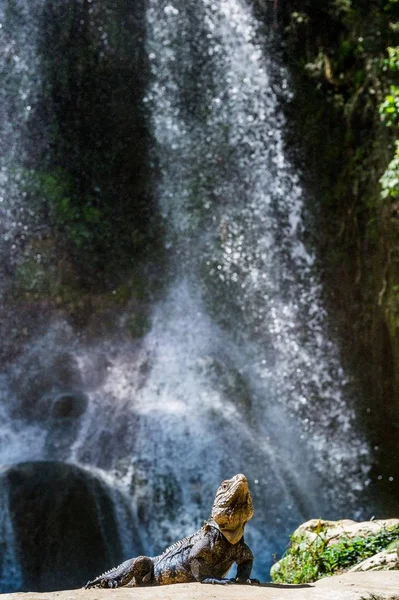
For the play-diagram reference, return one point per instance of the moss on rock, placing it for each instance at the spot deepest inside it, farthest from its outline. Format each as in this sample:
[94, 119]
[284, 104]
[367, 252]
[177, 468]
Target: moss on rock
[324, 548]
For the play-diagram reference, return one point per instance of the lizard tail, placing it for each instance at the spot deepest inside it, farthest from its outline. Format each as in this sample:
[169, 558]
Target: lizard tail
[135, 571]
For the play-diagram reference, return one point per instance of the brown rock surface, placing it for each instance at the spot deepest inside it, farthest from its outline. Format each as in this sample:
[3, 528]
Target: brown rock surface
[351, 586]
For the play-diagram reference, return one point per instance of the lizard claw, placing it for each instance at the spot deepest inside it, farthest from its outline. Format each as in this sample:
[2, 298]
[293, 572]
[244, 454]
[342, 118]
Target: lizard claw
[92, 583]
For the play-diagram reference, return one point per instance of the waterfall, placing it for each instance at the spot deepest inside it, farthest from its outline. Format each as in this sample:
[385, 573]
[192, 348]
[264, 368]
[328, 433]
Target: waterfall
[234, 208]
[235, 370]
[20, 82]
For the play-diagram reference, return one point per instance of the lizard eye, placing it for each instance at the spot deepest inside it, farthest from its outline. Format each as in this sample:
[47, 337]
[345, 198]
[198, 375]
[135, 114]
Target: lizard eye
[224, 486]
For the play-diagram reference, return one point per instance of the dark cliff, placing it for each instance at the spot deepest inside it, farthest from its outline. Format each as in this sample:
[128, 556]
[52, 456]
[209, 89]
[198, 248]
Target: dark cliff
[342, 56]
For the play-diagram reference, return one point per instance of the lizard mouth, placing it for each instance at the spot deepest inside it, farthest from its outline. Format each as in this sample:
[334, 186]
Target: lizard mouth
[240, 484]
[240, 479]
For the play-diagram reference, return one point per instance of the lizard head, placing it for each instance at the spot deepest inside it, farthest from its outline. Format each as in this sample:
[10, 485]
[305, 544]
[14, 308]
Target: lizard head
[232, 507]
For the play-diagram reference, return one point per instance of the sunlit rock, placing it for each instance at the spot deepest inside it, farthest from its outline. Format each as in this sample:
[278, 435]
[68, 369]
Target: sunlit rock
[383, 561]
[321, 548]
[333, 531]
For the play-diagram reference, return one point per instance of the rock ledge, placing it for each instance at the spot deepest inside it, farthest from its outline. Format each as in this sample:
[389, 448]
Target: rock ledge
[351, 586]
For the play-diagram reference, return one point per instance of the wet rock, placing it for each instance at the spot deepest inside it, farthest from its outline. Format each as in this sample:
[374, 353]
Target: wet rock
[63, 522]
[69, 405]
[37, 384]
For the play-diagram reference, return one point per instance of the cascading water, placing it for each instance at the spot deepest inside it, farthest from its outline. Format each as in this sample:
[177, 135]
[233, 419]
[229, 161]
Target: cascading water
[234, 206]
[236, 372]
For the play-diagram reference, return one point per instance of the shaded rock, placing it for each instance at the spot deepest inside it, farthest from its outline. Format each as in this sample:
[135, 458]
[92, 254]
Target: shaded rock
[69, 405]
[64, 524]
[37, 384]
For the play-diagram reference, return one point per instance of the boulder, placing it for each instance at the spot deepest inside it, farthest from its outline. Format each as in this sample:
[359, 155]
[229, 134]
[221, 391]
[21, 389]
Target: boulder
[334, 531]
[322, 548]
[63, 526]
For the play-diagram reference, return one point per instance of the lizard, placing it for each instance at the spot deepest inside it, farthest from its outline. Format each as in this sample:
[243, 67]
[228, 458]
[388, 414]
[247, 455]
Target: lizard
[205, 556]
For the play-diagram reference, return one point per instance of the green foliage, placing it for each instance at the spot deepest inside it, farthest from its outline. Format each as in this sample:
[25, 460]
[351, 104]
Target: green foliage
[299, 17]
[390, 179]
[341, 6]
[389, 112]
[71, 213]
[349, 552]
[306, 561]
[393, 58]
[32, 276]
[77, 217]
[394, 546]
[302, 561]
[389, 109]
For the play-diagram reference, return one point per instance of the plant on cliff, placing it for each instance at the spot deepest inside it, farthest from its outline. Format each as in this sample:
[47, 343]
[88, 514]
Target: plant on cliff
[389, 111]
[55, 193]
[390, 179]
[306, 561]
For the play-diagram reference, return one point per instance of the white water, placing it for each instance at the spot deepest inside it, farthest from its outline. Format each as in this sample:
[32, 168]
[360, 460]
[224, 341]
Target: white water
[21, 79]
[234, 208]
[237, 373]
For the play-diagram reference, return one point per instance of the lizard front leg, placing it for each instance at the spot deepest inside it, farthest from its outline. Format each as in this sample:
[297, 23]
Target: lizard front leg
[244, 560]
[201, 572]
[200, 560]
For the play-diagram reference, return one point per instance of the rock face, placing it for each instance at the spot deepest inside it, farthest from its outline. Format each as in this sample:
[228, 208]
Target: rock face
[64, 526]
[322, 548]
